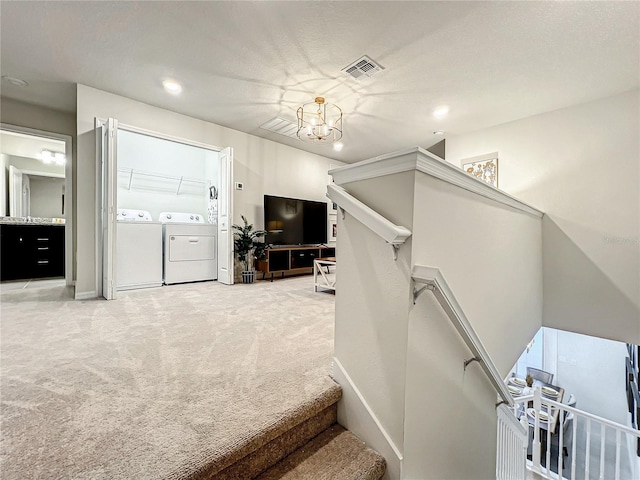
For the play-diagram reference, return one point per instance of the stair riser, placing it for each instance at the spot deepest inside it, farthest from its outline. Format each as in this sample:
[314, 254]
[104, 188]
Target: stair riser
[268, 455]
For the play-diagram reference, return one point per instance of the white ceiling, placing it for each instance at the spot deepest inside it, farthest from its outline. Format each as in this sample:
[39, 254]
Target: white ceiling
[244, 63]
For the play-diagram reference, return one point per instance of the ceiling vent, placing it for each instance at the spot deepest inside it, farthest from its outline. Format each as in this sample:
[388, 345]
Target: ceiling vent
[281, 126]
[362, 68]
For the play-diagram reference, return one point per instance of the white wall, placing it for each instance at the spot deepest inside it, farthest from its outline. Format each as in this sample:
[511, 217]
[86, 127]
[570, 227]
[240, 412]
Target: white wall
[580, 166]
[46, 196]
[450, 416]
[372, 301]
[593, 370]
[147, 154]
[407, 360]
[491, 256]
[265, 167]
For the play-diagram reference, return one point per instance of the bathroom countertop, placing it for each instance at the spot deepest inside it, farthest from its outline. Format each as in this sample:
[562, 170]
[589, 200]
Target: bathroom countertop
[31, 221]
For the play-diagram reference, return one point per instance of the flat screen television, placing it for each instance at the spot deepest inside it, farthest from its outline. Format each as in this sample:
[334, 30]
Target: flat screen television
[291, 221]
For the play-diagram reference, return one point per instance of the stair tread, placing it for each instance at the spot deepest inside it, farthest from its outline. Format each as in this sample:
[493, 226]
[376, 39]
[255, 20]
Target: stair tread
[208, 466]
[335, 454]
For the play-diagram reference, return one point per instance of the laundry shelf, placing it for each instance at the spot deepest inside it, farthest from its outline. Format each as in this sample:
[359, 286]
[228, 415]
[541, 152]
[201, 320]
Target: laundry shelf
[182, 181]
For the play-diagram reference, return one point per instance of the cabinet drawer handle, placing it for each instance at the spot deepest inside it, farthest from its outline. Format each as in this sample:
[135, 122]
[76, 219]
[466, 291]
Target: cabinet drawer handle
[194, 239]
[43, 239]
[43, 248]
[43, 262]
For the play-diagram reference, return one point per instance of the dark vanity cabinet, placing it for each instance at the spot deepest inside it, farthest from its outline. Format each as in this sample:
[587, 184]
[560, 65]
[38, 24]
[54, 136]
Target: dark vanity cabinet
[31, 251]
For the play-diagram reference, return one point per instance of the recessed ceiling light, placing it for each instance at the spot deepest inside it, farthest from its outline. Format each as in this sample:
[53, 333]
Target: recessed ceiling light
[338, 146]
[441, 111]
[18, 82]
[438, 132]
[172, 87]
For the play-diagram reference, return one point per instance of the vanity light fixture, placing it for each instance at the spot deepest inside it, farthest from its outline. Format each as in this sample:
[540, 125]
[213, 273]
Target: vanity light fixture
[319, 122]
[49, 157]
[172, 87]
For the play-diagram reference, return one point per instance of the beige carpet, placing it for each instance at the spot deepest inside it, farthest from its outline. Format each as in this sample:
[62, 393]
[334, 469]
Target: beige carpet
[149, 385]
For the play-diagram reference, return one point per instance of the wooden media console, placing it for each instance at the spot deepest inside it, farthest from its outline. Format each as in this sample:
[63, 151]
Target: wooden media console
[297, 260]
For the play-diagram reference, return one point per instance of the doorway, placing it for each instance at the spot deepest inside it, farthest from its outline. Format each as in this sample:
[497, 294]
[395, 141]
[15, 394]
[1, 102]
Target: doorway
[144, 178]
[36, 178]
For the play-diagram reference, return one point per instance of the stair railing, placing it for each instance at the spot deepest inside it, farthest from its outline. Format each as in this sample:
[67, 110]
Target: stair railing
[394, 235]
[593, 425]
[511, 451]
[433, 280]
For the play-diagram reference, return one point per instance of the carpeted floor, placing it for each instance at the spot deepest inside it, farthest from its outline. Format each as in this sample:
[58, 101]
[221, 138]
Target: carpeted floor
[148, 385]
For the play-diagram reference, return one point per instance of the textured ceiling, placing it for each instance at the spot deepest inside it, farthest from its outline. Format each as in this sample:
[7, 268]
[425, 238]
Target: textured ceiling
[244, 63]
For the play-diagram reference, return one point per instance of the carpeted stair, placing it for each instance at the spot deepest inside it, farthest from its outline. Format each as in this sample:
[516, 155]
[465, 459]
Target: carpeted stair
[305, 444]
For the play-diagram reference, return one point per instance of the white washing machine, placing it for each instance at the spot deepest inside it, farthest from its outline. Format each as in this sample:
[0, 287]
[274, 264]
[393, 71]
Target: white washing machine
[189, 248]
[138, 250]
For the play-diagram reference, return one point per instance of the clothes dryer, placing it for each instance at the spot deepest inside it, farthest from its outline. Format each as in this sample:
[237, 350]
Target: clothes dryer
[189, 248]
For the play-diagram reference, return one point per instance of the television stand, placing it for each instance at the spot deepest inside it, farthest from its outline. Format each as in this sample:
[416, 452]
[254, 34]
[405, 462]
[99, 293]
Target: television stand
[296, 259]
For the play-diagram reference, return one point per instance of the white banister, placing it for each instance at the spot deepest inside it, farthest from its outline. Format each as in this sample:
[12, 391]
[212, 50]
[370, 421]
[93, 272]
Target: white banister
[435, 281]
[391, 233]
[511, 453]
[592, 423]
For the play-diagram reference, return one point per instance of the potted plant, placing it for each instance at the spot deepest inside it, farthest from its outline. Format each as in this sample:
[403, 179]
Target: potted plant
[245, 244]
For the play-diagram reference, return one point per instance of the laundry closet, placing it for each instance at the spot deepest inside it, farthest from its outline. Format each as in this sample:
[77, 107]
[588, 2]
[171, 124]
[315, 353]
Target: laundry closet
[167, 198]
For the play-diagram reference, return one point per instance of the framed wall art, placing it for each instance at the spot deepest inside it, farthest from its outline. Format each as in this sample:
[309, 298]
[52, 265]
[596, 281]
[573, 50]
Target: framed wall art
[484, 167]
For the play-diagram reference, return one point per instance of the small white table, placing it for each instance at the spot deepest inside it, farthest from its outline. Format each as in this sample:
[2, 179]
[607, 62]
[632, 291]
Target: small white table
[322, 275]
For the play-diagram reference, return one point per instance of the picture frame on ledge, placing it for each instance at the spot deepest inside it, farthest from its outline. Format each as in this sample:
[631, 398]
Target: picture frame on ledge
[333, 229]
[483, 167]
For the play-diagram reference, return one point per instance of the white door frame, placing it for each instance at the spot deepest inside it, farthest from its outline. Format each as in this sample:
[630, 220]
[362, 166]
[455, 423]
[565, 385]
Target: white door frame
[226, 257]
[69, 255]
[99, 186]
[106, 206]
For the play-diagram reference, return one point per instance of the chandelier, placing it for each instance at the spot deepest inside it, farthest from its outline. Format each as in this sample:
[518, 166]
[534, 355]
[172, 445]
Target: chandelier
[319, 122]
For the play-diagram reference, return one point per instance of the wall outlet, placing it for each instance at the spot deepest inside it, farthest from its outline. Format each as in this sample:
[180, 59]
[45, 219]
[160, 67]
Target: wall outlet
[239, 186]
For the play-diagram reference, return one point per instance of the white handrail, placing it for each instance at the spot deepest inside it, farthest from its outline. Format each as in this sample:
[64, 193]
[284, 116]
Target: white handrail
[391, 233]
[551, 405]
[435, 281]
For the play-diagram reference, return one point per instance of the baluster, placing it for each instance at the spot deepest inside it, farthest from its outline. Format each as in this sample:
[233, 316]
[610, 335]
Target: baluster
[602, 435]
[618, 454]
[549, 416]
[573, 447]
[500, 450]
[560, 425]
[509, 454]
[536, 431]
[501, 466]
[588, 452]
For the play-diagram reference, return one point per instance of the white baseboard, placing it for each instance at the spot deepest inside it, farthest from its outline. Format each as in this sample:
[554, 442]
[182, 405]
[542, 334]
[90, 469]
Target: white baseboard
[85, 295]
[355, 414]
